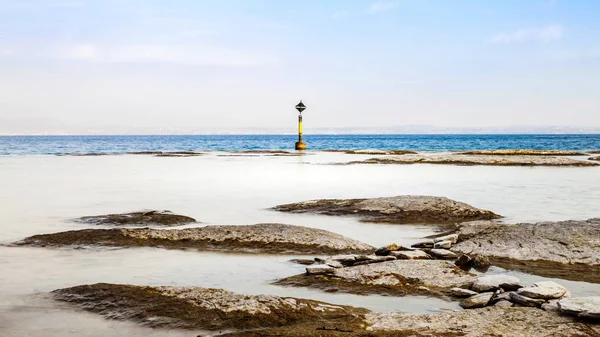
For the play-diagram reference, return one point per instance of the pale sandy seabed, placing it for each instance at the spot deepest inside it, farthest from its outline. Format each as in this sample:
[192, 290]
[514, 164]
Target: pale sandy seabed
[41, 193]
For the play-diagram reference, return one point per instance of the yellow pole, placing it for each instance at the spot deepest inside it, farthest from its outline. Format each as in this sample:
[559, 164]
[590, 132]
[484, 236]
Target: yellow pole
[300, 145]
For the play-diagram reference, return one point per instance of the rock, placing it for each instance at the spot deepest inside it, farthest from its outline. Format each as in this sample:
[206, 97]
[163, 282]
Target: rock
[373, 259]
[545, 290]
[461, 292]
[453, 238]
[481, 263]
[373, 152]
[464, 261]
[399, 210]
[320, 270]
[148, 218]
[442, 254]
[346, 260]
[443, 244]
[551, 306]
[423, 244]
[399, 278]
[526, 301]
[524, 152]
[384, 251]
[334, 264]
[485, 160]
[305, 262]
[597, 158]
[476, 301]
[489, 321]
[411, 255]
[261, 238]
[501, 296]
[504, 304]
[196, 308]
[563, 249]
[495, 282]
[585, 307]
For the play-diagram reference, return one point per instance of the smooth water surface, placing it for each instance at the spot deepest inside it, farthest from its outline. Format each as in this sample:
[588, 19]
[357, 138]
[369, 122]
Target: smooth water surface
[41, 193]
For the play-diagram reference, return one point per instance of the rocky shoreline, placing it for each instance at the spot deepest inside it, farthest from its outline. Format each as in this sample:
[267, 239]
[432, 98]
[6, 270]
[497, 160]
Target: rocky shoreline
[474, 160]
[397, 210]
[259, 238]
[524, 153]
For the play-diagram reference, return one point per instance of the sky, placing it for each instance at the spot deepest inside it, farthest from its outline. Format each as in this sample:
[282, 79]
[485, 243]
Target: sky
[195, 65]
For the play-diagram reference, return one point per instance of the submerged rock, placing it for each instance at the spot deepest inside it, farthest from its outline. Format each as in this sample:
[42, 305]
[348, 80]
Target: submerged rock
[260, 238]
[147, 218]
[524, 152]
[586, 307]
[200, 308]
[486, 160]
[399, 210]
[168, 153]
[399, 278]
[563, 249]
[490, 321]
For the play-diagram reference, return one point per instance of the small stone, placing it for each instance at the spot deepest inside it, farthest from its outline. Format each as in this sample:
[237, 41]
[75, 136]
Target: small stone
[423, 288]
[586, 307]
[476, 301]
[411, 255]
[481, 263]
[544, 290]
[453, 238]
[551, 306]
[461, 292]
[464, 261]
[504, 304]
[385, 251]
[443, 244]
[443, 254]
[320, 270]
[423, 244]
[502, 296]
[334, 264]
[526, 301]
[494, 282]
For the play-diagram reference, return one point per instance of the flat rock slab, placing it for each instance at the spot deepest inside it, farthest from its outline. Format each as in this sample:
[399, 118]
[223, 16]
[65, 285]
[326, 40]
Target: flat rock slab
[524, 152]
[260, 238]
[546, 290]
[472, 160]
[398, 278]
[495, 282]
[443, 254]
[586, 307]
[490, 321]
[147, 218]
[564, 249]
[399, 210]
[200, 308]
[477, 301]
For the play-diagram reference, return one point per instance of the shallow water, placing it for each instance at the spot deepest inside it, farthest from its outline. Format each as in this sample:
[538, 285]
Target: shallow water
[41, 193]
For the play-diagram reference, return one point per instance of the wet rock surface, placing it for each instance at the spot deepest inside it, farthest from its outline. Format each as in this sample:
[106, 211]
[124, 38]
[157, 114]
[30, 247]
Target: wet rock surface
[564, 249]
[486, 160]
[399, 278]
[374, 152]
[490, 321]
[260, 238]
[147, 218]
[399, 210]
[200, 308]
[524, 152]
[597, 158]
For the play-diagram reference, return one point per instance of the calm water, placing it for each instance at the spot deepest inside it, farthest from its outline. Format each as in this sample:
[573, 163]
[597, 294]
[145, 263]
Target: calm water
[41, 193]
[118, 144]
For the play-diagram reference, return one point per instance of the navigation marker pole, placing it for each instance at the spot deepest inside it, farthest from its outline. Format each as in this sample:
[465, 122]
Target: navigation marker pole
[300, 145]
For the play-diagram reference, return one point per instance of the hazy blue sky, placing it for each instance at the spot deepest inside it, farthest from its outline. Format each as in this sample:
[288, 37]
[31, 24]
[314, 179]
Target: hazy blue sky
[236, 63]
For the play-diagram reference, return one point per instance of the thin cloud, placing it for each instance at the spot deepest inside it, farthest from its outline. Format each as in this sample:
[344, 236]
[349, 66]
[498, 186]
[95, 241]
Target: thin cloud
[382, 6]
[545, 34]
[186, 55]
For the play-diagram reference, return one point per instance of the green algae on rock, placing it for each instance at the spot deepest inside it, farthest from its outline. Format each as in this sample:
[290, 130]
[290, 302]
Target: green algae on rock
[260, 238]
[403, 209]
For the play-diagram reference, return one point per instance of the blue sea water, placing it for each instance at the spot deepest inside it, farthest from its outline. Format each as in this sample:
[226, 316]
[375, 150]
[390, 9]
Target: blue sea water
[37, 145]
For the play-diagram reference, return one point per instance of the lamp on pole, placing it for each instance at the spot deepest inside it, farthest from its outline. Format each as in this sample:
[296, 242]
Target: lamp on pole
[300, 145]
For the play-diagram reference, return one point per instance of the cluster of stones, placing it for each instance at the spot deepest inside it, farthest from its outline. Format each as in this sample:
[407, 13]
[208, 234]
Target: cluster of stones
[507, 291]
[433, 249]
